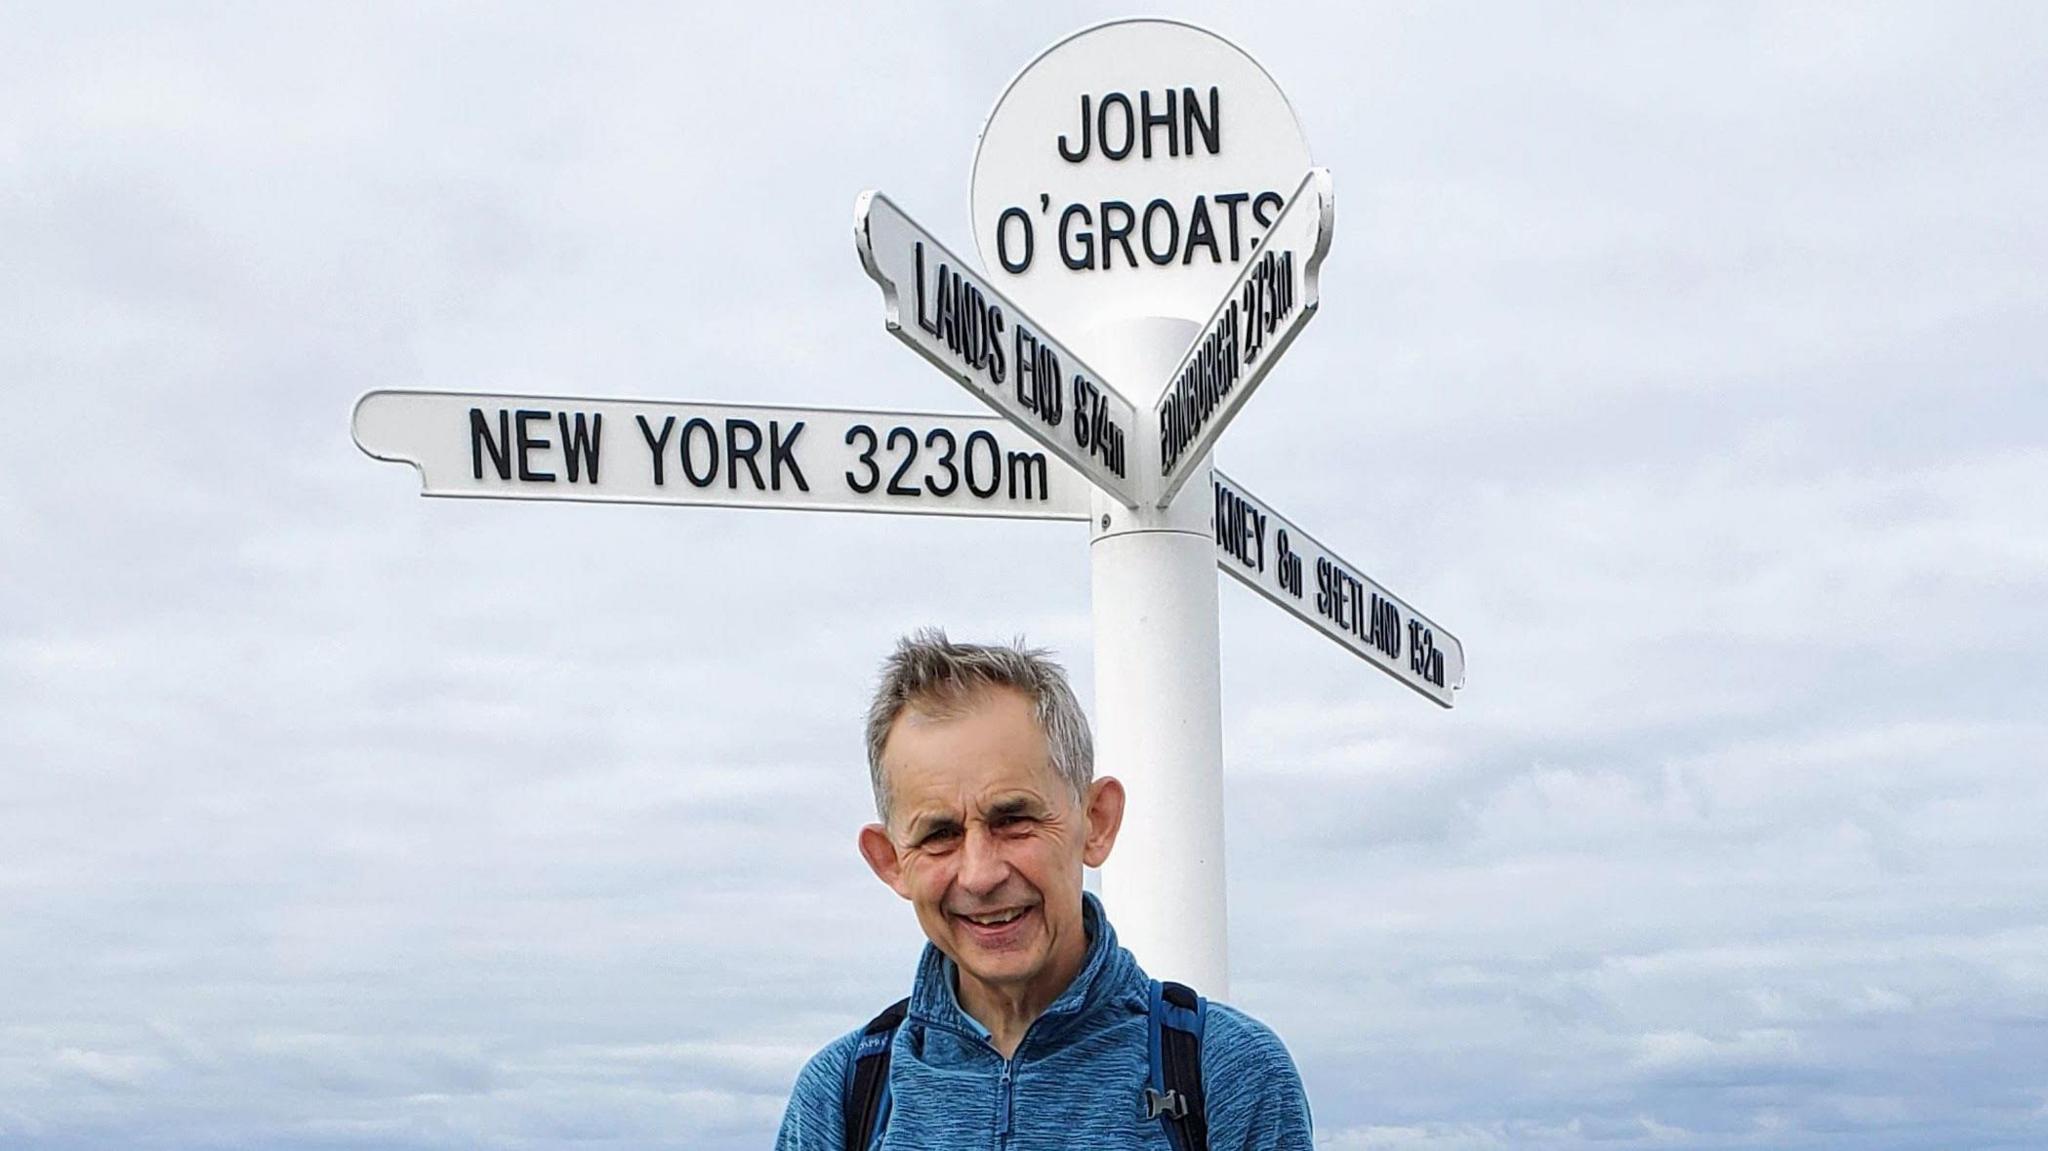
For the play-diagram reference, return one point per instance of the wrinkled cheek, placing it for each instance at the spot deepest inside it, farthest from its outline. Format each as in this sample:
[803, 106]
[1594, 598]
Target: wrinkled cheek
[928, 884]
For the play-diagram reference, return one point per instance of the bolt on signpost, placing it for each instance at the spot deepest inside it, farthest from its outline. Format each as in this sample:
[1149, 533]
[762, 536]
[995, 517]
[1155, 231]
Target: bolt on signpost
[1148, 224]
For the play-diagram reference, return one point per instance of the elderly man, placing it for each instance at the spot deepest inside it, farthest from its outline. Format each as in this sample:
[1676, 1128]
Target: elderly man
[1026, 1026]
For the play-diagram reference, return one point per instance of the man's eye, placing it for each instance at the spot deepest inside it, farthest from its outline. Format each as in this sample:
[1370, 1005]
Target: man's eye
[939, 838]
[1012, 822]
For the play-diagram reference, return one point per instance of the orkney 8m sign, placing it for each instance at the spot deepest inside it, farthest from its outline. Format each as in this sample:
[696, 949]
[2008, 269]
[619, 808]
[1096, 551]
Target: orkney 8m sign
[1273, 556]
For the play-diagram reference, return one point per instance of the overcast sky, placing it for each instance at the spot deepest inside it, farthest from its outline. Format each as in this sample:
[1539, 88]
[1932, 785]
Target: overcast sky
[1688, 362]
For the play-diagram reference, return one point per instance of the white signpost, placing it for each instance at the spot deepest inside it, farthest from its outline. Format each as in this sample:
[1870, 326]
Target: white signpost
[1268, 553]
[1268, 305]
[1142, 187]
[1127, 173]
[722, 455]
[971, 333]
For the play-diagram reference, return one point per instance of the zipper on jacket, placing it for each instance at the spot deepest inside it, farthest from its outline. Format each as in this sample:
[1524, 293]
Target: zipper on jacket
[1005, 1092]
[1003, 1101]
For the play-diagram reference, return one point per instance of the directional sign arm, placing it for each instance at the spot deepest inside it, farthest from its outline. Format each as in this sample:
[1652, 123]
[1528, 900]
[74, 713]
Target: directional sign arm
[1268, 305]
[723, 455]
[1274, 557]
[948, 313]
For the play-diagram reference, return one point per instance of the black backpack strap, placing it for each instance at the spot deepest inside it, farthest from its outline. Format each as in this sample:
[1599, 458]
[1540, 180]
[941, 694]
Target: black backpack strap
[1175, 1046]
[867, 1077]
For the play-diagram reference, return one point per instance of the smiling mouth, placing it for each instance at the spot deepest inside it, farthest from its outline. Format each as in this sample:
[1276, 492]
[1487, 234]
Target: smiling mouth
[996, 918]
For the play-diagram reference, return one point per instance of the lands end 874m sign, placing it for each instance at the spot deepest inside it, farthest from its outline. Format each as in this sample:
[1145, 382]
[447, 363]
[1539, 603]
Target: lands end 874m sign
[1130, 171]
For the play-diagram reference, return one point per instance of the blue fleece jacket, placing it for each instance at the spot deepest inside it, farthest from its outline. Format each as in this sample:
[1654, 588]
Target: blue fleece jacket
[1077, 1079]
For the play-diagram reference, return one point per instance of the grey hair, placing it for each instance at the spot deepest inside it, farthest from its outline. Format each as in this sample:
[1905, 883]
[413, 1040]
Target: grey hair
[936, 676]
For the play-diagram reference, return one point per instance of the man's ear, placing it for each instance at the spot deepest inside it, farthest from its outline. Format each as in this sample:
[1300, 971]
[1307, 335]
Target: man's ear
[1105, 817]
[880, 851]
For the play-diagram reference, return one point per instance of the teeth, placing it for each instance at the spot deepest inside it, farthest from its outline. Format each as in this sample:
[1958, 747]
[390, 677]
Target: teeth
[996, 920]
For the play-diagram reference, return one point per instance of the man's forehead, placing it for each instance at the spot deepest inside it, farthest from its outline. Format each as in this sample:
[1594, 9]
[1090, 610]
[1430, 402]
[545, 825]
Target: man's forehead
[968, 781]
[991, 722]
[955, 808]
[963, 760]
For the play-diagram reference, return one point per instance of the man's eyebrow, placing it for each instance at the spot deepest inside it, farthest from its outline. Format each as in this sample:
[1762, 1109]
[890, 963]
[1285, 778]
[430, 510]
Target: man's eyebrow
[1015, 805]
[927, 825]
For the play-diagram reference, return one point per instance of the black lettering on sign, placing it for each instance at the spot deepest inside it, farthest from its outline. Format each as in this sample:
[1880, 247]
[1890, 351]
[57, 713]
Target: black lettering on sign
[981, 438]
[867, 457]
[1165, 120]
[1340, 598]
[1259, 206]
[1086, 258]
[581, 445]
[969, 337]
[1181, 116]
[1091, 235]
[1289, 564]
[992, 324]
[1095, 430]
[656, 446]
[1103, 122]
[480, 441]
[1201, 232]
[929, 325]
[782, 453]
[1023, 218]
[909, 438]
[961, 316]
[735, 455]
[981, 465]
[531, 443]
[695, 425]
[1160, 255]
[1231, 200]
[1240, 528]
[934, 438]
[1210, 128]
[1424, 659]
[1071, 154]
[1386, 626]
[1039, 367]
[1033, 484]
[1119, 233]
[1200, 389]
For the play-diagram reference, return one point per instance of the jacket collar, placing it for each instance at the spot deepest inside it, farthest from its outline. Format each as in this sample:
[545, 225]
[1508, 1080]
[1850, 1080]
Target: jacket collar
[1108, 975]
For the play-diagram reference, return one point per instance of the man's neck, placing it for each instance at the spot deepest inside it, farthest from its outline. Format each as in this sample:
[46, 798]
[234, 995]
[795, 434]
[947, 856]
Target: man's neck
[1008, 1012]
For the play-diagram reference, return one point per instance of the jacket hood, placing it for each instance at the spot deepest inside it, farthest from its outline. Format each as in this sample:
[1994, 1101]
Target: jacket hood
[1109, 979]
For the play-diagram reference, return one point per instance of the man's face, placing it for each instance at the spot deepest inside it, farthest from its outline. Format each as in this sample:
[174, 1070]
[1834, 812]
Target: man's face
[988, 843]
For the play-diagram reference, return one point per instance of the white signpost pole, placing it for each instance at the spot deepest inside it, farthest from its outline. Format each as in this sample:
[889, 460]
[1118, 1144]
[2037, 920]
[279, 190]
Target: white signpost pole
[1123, 182]
[1158, 706]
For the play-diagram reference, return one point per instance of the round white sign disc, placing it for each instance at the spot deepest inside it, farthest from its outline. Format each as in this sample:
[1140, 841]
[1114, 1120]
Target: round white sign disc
[1128, 172]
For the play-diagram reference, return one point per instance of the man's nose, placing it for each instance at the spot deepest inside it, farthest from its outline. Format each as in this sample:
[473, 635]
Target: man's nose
[982, 867]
